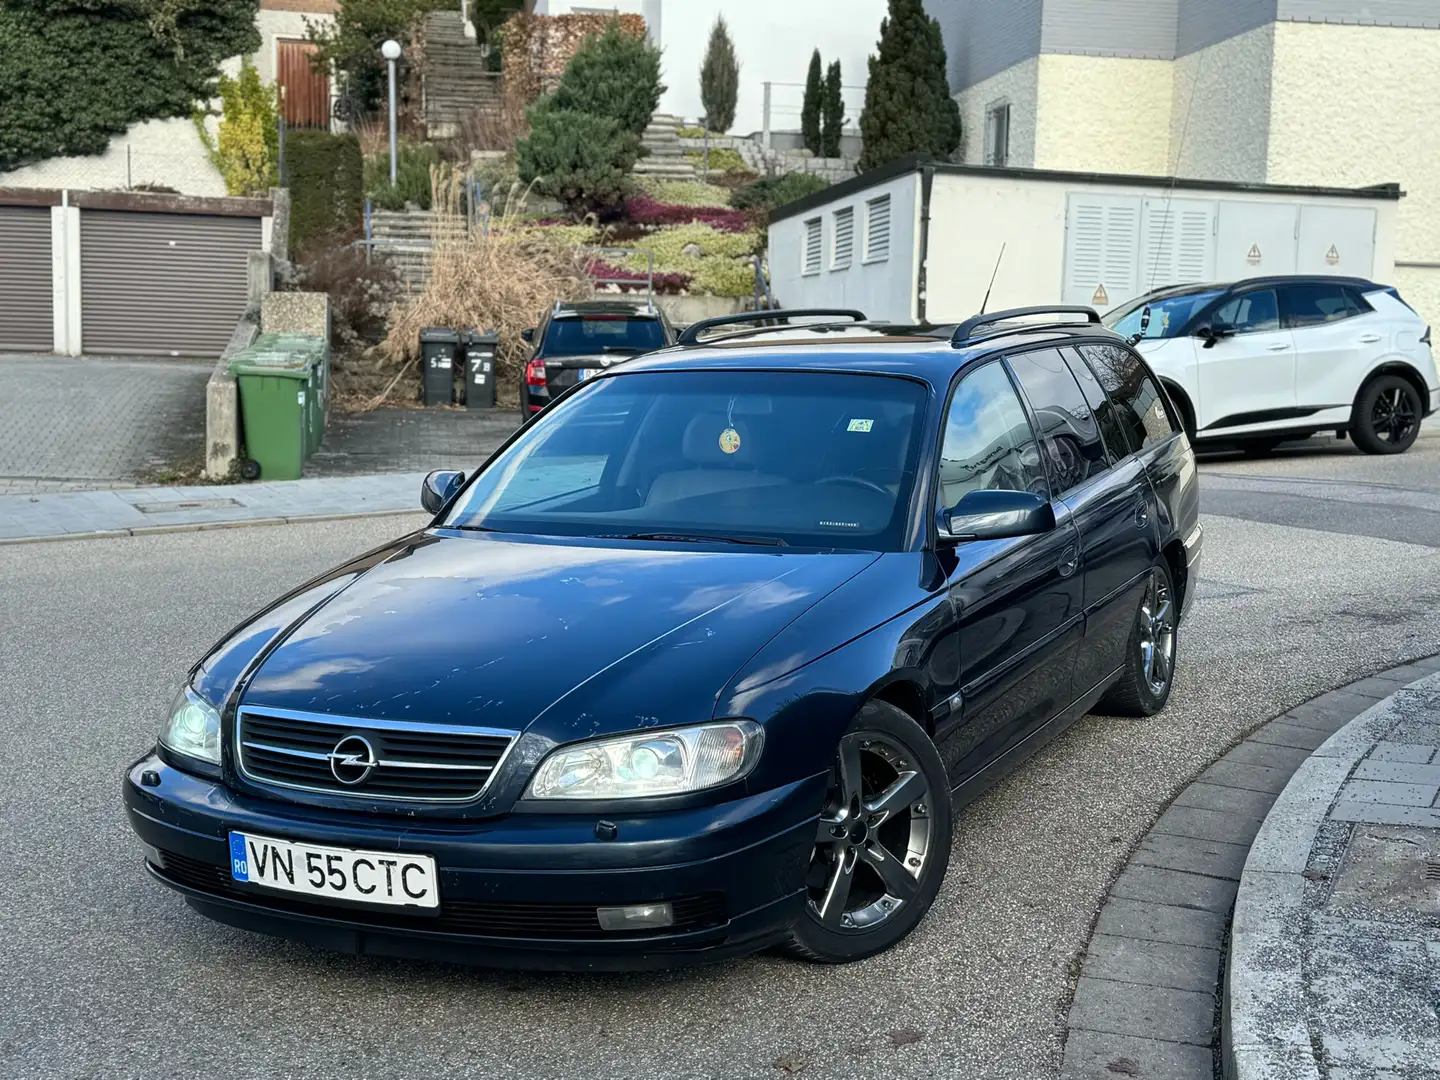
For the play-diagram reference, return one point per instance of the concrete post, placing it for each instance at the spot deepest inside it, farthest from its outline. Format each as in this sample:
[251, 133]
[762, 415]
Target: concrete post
[65, 277]
[280, 224]
[259, 278]
[765, 136]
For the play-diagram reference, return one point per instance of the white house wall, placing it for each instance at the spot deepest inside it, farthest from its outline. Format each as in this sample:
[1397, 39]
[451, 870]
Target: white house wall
[1220, 125]
[1103, 114]
[882, 290]
[1017, 86]
[162, 152]
[277, 26]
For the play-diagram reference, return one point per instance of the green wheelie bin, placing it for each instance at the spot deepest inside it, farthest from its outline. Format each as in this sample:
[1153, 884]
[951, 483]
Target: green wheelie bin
[278, 393]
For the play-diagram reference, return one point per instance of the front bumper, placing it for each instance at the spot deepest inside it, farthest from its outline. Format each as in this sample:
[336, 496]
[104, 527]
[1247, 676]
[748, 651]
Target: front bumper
[515, 891]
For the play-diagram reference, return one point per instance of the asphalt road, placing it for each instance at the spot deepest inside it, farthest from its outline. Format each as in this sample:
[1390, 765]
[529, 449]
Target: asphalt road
[108, 975]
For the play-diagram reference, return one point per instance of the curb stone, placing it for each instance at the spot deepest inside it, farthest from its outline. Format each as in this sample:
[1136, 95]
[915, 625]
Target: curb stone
[1148, 1001]
[205, 526]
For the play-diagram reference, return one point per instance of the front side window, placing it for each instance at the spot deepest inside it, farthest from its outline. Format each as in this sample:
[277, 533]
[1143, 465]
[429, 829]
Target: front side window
[1313, 305]
[1068, 432]
[1253, 313]
[808, 458]
[1168, 315]
[989, 444]
[1138, 400]
[591, 334]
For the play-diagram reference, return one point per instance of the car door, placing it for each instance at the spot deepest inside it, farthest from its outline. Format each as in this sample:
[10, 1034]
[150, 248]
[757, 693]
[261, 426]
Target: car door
[1246, 366]
[1016, 603]
[1338, 339]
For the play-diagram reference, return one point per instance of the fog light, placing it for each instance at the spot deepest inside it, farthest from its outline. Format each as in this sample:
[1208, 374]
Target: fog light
[636, 917]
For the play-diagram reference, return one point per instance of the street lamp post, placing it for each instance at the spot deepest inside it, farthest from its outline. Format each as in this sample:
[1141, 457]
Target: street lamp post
[391, 51]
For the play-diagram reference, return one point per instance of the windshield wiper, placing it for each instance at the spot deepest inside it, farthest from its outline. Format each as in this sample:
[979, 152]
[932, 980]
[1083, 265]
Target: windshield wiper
[700, 538]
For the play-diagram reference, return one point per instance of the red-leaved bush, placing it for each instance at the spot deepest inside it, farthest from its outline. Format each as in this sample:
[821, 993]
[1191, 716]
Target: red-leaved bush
[665, 284]
[645, 210]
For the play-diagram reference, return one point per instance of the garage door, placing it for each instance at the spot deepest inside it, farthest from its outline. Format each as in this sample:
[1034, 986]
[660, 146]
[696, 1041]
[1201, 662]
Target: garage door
[27, 306]
[162, 284]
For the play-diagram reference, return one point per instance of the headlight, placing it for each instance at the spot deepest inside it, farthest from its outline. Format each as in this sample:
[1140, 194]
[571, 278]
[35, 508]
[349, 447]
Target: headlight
[656, 763]
[193, 728]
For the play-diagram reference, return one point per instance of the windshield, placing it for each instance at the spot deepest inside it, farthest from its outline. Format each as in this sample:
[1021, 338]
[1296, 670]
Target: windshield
[1168, 316]
[804, 458]
[601, 333]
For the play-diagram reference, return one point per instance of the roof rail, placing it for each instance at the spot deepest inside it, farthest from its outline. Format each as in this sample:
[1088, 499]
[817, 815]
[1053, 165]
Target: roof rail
[966, 330]
[691, 336]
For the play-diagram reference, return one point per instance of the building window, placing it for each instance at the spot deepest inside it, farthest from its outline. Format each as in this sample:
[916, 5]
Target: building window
[997, 134]
[844, 248]
[877, 229]
[813, 246]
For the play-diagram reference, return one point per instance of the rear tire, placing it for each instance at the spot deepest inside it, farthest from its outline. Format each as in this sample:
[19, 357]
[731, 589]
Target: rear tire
[882, 841]
[1386, 417]
[1150, 654]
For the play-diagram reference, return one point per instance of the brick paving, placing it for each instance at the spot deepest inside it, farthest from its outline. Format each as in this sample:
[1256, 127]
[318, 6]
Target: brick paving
[71, 423]
[410, 440]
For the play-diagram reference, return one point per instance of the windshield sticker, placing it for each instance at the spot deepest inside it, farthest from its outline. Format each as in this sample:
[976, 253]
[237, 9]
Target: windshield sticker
[860, 425]
[729, 440]
[840, 524]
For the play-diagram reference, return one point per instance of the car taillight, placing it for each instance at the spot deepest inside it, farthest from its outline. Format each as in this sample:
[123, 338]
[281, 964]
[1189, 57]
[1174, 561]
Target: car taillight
[535, 372]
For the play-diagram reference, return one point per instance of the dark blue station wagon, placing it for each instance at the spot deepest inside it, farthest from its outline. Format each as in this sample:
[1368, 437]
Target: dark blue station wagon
[702, 660]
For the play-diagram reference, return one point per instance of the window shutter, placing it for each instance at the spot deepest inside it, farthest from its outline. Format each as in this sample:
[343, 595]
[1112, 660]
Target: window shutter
[1178, 243]
[844, 238]
[1102, 250]
[877, 229]
[812, 246]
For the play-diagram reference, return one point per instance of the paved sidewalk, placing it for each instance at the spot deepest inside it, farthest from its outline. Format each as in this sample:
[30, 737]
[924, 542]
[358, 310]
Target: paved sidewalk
[1149, 1000]
[1335, 949]
[84, 514]
[68, 422]
[410, 440]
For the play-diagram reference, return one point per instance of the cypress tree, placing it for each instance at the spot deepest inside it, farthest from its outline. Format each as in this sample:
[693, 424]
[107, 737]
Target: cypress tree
[810, 107]
[719, 79]
[832, 112]
[908, 107]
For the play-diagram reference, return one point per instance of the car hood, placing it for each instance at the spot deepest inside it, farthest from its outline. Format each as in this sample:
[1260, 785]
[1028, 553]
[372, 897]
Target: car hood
[570, 639]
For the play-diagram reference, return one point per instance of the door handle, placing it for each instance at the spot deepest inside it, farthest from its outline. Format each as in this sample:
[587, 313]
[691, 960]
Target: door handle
[1278, 347]
[1069, 560]
[1369, 339]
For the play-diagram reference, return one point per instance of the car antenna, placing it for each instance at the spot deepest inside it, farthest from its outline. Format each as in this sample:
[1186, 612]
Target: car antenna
[986, 302]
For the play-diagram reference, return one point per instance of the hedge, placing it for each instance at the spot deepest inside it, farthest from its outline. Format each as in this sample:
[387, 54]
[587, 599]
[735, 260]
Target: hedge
[327, 194]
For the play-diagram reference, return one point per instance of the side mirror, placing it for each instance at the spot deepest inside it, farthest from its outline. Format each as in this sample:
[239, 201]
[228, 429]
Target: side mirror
[439, 488]
[528, 334]
[996, 515]
[1211, 335]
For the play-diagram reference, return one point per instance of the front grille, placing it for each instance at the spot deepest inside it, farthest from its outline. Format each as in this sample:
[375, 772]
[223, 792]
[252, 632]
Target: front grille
[380, 759]
[538, 920]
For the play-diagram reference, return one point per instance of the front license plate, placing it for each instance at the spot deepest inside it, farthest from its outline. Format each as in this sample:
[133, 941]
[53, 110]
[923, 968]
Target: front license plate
[330, 873]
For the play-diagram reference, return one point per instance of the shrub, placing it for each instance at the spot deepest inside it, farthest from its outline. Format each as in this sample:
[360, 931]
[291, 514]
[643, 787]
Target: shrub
[489, 15]
[810, 105]
[351, 45]
[722, 159]
[628, 280]
[719, 78]
[726, 277]
[770, 192]
[582, 159]
[326, 175]
[247, 145]
[644, 210]
[614, 75]
[908, 107]
[686, 192]
[692, 132]
[832, 112]
[669, 244]
[412, 176]
[361, 294]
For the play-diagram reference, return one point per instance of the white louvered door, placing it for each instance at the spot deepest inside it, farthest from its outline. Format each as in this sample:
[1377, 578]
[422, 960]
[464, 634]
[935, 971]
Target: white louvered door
[1177, 243]
[1102, 250]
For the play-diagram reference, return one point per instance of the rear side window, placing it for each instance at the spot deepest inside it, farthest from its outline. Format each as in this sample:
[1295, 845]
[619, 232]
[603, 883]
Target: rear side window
[1254, 313]
[988, 445]
[1313, 305]
[1068, 432]
[1138, 402]
[1112, 429]
[603, 333]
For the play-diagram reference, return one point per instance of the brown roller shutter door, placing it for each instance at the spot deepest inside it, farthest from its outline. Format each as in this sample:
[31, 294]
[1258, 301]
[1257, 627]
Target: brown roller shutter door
[27, 303]
[162, 284]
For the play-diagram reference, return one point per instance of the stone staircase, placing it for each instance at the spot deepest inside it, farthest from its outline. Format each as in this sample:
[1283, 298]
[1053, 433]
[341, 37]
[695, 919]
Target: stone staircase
[666, 158]
[455, 75]
[404, 238]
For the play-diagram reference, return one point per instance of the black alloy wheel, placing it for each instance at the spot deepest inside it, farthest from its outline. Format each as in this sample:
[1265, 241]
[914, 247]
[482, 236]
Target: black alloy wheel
[1386, 417]
[1150, 656]
[882, 844]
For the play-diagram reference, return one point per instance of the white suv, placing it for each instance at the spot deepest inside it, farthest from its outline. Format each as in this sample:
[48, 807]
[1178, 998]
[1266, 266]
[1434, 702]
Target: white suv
[1270, 359]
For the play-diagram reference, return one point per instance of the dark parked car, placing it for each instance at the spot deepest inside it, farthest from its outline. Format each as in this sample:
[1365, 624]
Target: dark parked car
[581, 339]
[695, 664]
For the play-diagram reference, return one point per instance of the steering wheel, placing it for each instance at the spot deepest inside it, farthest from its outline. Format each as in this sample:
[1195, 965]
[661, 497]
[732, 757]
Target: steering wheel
[857, 481]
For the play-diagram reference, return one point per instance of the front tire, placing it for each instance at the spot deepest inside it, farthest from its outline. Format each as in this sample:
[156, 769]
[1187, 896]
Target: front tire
[882, 843]
[1149, 671]
[1386, 416]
